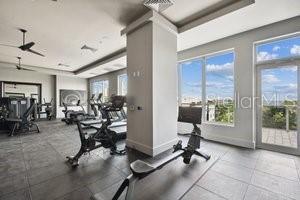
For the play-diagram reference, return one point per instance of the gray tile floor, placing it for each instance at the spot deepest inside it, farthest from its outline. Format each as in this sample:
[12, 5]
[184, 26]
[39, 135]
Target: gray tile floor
[33, 167]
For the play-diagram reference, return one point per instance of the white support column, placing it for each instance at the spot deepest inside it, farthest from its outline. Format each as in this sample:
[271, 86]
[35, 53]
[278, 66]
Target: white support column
[152, 84]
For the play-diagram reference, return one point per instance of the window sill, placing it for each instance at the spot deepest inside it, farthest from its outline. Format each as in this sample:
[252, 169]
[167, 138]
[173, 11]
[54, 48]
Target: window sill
[218, 124]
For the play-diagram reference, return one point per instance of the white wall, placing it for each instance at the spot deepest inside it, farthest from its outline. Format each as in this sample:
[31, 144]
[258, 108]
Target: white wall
[244, 130]
[47, 81]
[68, 83]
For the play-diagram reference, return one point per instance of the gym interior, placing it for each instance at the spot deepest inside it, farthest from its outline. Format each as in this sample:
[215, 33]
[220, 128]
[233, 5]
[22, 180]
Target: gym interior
[149, 99]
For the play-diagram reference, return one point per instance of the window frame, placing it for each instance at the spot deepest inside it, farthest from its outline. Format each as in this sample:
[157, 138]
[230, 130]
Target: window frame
[102, 81]
[119, 88]
[180, 77]
[203, 59]
[271, 40]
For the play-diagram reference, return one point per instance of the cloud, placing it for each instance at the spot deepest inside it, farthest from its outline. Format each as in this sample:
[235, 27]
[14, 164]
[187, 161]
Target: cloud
[263, 56]
[276, 48]
[193, 84]
[187, 63]
[270, 78]
[287, 89]
[290, 68]
[230, 77]
[219, 85]
[225, 68]
[295, 50]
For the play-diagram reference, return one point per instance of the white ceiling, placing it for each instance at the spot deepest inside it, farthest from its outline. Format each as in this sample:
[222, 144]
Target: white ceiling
[61, 28]
[261, 13]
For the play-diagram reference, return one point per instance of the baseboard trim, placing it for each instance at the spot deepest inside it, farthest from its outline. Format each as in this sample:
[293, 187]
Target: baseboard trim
[140, 147]
[164, 147]
[149, 150]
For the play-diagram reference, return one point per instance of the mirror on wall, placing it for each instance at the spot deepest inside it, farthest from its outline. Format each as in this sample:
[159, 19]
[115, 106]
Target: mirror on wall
[15, 89]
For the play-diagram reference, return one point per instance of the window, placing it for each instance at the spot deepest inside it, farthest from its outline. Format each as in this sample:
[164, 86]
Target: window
[100, 87]
[214, 75]
[122, 84]
[191, 82]
[278, 49]
[220, 88]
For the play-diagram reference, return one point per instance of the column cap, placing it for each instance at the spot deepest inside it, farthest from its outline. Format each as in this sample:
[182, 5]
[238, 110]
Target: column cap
[151, 16]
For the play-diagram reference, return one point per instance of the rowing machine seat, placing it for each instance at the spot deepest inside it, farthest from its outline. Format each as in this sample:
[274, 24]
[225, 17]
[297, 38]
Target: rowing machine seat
[140, 168]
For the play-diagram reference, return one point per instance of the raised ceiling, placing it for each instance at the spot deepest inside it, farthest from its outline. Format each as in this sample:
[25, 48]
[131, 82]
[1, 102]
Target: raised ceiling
[61, 28]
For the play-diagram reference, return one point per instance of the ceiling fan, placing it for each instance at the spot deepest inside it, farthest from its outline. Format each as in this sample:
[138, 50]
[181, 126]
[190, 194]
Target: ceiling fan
[19, 67]
[24, 46]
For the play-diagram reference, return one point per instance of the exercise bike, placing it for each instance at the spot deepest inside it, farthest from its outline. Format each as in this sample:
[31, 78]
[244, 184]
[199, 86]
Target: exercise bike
[104, 136]
[141, 169]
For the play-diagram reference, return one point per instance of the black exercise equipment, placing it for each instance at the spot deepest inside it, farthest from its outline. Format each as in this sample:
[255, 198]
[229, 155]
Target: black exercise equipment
[141, 169]
[21, 115]
[104, 136]
[118, 118]
[114, 116]
[46, 108]
[71, 116]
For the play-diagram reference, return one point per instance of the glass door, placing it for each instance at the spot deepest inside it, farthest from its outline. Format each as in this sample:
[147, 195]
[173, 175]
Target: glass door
[278, 110]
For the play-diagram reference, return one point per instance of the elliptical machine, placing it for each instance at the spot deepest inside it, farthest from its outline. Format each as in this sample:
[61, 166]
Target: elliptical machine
[71, 116]
[48, 110]
[104, 136]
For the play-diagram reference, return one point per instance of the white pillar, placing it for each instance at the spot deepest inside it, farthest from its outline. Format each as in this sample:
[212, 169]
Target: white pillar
[152, 84]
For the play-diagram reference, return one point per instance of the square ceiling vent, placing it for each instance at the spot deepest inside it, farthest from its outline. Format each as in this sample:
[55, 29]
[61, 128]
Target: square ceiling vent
[158, 5]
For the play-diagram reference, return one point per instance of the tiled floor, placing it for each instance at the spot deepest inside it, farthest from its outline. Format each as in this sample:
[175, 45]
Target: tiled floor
[33, 167]
[279, 137]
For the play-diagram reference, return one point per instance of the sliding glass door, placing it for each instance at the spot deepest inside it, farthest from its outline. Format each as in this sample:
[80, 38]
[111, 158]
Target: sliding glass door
[278, 110]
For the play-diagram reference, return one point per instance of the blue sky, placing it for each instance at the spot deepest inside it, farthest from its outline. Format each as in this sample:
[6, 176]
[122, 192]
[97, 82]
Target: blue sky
[279, 49]
[219, 76]
[279, 84]
[219, 72]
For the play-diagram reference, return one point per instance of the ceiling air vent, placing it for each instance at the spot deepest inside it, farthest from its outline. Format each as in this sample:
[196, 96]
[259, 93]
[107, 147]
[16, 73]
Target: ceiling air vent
[158, 5]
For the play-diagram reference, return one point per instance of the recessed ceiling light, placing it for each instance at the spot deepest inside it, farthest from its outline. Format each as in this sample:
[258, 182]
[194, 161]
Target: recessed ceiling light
[119, 65]
[63, 65]
[108, 69]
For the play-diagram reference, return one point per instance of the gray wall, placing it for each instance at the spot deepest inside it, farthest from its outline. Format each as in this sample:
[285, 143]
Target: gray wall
[47, 81]
[112, 78]
[69, 83]
[51, 84]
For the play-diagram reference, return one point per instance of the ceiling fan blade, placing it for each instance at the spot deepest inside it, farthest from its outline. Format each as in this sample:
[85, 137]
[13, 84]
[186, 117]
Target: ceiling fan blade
[7, 45]
[27, 46]
[37, 53]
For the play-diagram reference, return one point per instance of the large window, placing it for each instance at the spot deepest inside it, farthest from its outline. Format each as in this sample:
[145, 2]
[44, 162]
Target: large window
[100, 86]
[220, 88]
[213, 76]
[191, 82]
[122, 84]
[278, 49]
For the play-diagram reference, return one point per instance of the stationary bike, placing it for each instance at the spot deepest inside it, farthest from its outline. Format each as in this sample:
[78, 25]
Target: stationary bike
[104, 136]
